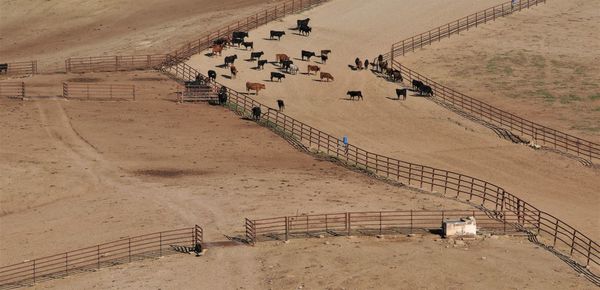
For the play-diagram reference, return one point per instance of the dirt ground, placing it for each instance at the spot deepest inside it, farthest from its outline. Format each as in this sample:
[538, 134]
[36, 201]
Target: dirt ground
[77, 173]
[424, 262]
[545, 68]
[135, 167]
[417, 129]
[52, 31]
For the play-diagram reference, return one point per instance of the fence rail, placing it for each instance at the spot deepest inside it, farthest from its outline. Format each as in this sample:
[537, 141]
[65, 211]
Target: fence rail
[447, 183]
[103, 255]
[19, 68]
[93, 91]
[371, 223]
[455, 27]
[539, 133]
[12, 89]
[251, 22]
[114, 63]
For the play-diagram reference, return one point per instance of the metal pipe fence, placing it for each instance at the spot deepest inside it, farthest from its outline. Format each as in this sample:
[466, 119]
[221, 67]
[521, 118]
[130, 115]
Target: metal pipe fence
[374, 223]
[93, 91]
[19, 68]
[444, 182]
[114, 63]
[12, 89]
[250, 22]
[95, 257]
[455, 27]
[517, 125]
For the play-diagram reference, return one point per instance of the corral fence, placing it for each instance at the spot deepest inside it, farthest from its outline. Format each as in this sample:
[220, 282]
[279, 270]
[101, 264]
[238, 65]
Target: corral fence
[94, 91]
[19, 68]
[95, 257]
[114, 63]
[373, 223]
[12, 89]
[447, 183]
[251, 22]
[198, 93]
[538, 133]
[455, 27]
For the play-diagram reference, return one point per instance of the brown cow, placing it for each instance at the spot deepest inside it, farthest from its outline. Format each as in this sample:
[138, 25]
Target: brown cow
[255, 87]
[314, 68]
[281, 57]
[217, 49]
[326, 76]
[234, 71]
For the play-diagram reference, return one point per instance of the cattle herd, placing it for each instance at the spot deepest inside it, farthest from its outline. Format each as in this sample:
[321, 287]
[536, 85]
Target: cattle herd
[286, 65]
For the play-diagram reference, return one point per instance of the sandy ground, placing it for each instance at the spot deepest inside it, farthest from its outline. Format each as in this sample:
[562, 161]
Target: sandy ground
[415, 130]
[545, 69]
[51, 31]
[121, 170]
[76, 173]
[345, 263]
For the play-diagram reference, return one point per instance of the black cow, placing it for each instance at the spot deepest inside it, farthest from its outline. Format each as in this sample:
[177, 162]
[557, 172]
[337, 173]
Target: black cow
[3, 68]
[240, 34]
[278, 34]
[221, 41]
[286, 64]
[256, 55]
[230, 59]
[426, 90]
[417, 84]
[366, 63]
[261, 64]
[256, 112]
[355, 94]
[281, 105]
[223, 95]
[302, 22]
[396, 75]
[277, 75]
[237, 41]
[324, 58]
[212, 75]
[248, 44]
[305, 30]
[401, 92]
[307, 54]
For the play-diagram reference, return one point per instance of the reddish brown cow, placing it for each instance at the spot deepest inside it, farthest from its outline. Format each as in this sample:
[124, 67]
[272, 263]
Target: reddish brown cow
[255, 87]
[217, 49]
[234, 71]
[314, 68]
[326, 76]
[281, 57]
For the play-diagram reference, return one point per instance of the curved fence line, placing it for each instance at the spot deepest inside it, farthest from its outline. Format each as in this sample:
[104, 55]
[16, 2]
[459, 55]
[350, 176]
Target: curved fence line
[551, 230]
[103, 255]
[250, 22]
[372, 223]
[455, 27]
[517, 125]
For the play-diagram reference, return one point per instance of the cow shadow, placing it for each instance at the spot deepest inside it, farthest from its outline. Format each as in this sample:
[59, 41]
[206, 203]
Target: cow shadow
[299, 59]
[210, 54]
[353, 67]
[221, 66]
[249, 60]
[393, 99]
[226, 76]
[270, 39]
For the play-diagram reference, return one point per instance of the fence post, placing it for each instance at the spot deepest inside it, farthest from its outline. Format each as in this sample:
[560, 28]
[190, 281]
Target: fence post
[348, 223]
[555, 233]
[411, 221]
[34, 268]
[133, 92]
[589, 251]
[287, 229]
[23, 89]
[67, 263]
[129, 251]
[160, 243]
[380, 223]
[98, 254]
